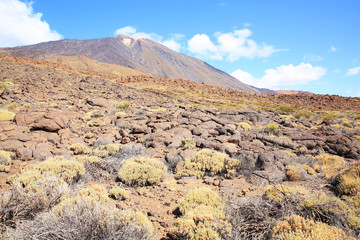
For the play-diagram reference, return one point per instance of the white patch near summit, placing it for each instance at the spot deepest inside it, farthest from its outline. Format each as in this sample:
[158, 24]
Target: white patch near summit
[127, 41]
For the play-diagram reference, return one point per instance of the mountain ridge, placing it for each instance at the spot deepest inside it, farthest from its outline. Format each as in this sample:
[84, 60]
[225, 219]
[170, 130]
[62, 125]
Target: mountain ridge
[143, 55]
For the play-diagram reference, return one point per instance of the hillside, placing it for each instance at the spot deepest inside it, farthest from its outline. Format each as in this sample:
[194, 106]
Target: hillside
[123, 155]
[143, 55]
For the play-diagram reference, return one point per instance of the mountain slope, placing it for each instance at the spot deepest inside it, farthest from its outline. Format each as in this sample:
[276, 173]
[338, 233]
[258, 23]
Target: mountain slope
[141, 54]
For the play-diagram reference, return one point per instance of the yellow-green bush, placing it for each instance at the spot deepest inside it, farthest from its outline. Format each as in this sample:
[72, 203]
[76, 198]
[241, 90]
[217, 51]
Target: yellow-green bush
[299, 228]
[5, 161]
[87, 159]
[96, 123]
[67, 170]
[119, 193]
[308, 169]
[347, 125]
[273, 127]
[244, 125]
[329, 165]
[106, 150]
[189, 143]
[279, 192]
[202, 217]
[303, 113]
[79, 148]
[142, 171]
[287, 152]
[209, 162]
[293, 172]
[349, 180]
[123, 105]
[285, 109]
[6, 115]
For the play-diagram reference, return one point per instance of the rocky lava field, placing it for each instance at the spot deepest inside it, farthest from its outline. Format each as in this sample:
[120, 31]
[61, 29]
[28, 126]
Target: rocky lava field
[227, 165]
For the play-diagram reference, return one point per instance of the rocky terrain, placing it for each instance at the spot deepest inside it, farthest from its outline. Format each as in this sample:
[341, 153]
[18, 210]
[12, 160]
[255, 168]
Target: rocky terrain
[276, 152]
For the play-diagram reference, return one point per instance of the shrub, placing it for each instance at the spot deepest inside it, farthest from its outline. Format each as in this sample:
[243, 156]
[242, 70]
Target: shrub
[6, 115]
[87, 159]
[202, 217]
[123, 105]
[209, 162]
[329, 165]
[79, 148]
[348, 181]
[188, 143]
[294, 173]
[298, 228]
[67, 170]
[280, 192]
[5, 161]
[96, 123]
[106, 150]
[87, 220]
[142, 171]
[347, 125]
[119, 193]
[290, 154]
[272, 127]
[308, 169]
[357, 117]
[244, 125]
[330, 116]
[303, 114]
[285, 109]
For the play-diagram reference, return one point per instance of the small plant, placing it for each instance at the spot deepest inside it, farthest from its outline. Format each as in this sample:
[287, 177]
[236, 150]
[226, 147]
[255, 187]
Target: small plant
[79, 148]
[329, 165]
[303, 114]
[202, 216]
[142, 171]
[298, 228]
[347, 125]
[285, 109]
[5, 161]
[189, 143]
[123, 105]
[290, 154]
[272, 127]
[96, 123]
[68, 170]
[106, 150]
[293, 173]
[119, 193]
[308, 169]
[330, 116]
[244, 125]
[87, 159]
[6, 115]
[209, 162]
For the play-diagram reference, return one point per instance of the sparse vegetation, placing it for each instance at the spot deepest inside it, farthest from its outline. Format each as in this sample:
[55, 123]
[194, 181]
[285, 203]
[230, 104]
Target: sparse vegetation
[79, 148]
[298, 228]
[119, 193]
[272, 127]
[244, 125]
[5, 161]
[202, 217]
[188, 143]
[142, 171]
[329, 165]
[6, 115]
[209, 162]
[285, 109]
[106, 150]
[123, 105]
[96, 123]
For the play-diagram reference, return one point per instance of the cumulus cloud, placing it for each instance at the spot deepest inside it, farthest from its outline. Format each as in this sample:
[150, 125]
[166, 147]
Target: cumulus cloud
[231, 46]
[20, 25]
[312, 58]
[353, 71]
[172, 42]
[333, 49]
[285, 75]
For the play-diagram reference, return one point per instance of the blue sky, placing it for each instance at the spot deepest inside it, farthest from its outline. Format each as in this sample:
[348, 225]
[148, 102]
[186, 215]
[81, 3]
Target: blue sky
[279, 44]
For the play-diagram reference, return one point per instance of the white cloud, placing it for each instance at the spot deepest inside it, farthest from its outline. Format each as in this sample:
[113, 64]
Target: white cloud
[334, 49]
[312, 58]
[353, 71]
[337, 70]
[247, 24]
[285, 75]
[20, 25]
[231, 46]
[171, 42]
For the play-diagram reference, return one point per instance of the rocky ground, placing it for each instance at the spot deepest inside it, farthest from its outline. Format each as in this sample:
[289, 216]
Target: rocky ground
[56, 107]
